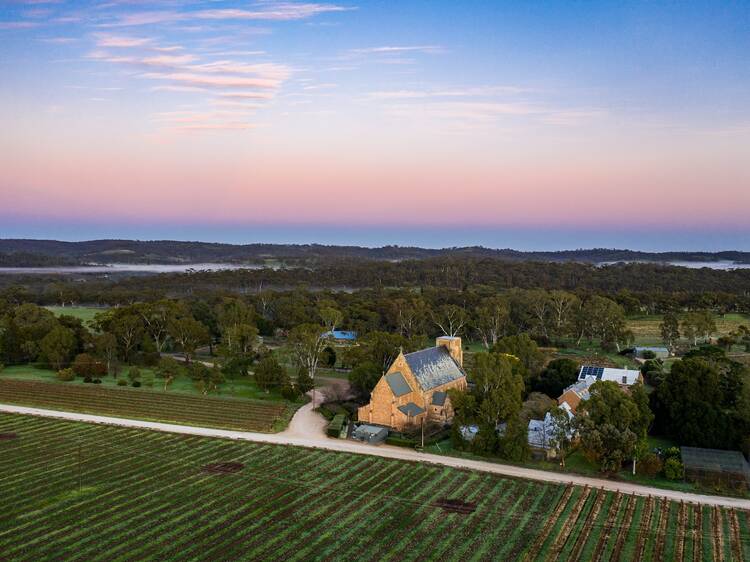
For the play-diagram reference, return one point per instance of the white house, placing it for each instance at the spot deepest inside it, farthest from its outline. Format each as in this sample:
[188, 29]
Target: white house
[541, 432]
[588, 375]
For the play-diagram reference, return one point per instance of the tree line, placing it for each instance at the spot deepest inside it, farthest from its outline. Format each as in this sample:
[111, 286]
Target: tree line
[481, 313]
[702, 401]
[650, 287]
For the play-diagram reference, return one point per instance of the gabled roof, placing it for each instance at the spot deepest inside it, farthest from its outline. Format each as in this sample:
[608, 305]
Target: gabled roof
[433, 367]
[411, 409]
[592, 374]
[574, 395]
[438, 398]
[398, 384]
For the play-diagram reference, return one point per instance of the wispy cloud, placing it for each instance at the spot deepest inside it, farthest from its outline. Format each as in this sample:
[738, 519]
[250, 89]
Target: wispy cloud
[266, 11]
[246, 95]
[282, 11]
[119, 41]
[476, 111]
[235, 104]
[175, 88]
[470, 108]
[277, 72]
[10, 25]
[235, 88]
[59, 40]
[326, 86]
[392, 49]
[216, 67]
[449, 92]
[214, 81]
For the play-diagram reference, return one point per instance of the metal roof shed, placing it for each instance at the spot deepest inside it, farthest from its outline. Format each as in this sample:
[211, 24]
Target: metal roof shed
[715, 466]
[372, 434]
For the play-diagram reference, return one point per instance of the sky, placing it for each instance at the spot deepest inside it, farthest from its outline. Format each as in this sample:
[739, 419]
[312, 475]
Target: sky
[532, 125]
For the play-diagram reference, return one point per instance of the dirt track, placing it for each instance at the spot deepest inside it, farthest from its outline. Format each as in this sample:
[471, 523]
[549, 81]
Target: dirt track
[306, 430]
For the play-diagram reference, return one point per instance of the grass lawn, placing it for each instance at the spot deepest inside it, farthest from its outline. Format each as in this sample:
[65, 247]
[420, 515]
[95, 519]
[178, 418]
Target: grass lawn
[647, 332]
[590, 352]
[93, 492]
[244, 388]
[474, 347]
[84, 313]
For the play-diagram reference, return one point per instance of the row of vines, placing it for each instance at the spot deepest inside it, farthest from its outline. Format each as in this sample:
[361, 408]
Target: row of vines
[227, 413]
[75, 491]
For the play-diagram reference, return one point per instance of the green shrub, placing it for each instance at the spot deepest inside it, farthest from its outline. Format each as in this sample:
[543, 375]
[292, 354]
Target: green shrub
[326, 412]
[400, 441]
[330, 411]
[66, 375]
[334, 428]
[650, 465]
[122, 382]
[136, 384]
[151, 359]
[289, 392]
[441, 435]
[148, 379]
[88, 367]
[134, 374]
[328, 357]
[672, 453]
[673, 469]
[351, 408]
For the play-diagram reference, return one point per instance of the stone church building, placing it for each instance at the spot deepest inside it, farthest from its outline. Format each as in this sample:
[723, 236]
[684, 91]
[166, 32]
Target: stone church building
[415, 387]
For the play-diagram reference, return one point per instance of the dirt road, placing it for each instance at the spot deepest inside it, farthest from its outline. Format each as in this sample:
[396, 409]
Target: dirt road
[306, 430]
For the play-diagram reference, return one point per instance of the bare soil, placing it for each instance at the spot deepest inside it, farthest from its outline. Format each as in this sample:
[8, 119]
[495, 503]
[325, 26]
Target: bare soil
[223, 467]
[455, 506]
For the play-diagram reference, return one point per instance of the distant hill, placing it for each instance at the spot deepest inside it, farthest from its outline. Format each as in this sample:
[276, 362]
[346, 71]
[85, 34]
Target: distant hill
[30, 253]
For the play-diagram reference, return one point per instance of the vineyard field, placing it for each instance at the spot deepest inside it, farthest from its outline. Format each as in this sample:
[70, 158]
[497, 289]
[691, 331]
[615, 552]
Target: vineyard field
[226, 413]
[77, 491]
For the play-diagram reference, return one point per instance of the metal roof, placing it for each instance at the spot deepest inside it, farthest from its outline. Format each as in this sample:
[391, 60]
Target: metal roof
[341, 335]
[370, 433]
[715, 460]
[411, 409]
[438, 398]
[592, 374]
[580, 388]
[538, 434]
[433, 367]
[368, 430]
[398, 384]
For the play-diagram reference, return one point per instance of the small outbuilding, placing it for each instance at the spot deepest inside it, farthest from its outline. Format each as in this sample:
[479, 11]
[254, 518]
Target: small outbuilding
[372, 434]
[715, 466]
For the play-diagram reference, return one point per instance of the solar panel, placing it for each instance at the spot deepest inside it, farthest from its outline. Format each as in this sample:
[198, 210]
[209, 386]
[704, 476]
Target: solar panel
[589, 371]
